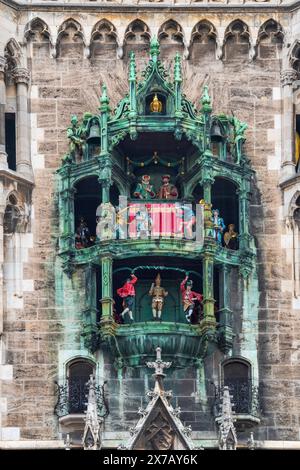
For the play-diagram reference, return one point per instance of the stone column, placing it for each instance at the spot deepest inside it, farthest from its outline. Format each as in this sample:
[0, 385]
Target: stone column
[3, 154]
[288, 129]
[225, 319]
[21, 76]
[208, 286]
[106, 301]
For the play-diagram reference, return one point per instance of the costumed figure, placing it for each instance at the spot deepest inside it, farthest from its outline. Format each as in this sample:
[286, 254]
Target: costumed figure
[167, 190]
[127, 293]
[186, 218]
[143, 223]
[189, 298]
[82, 235]
[82, 132]
[230, 238]
[73, 133]
[144, 189]
[218, 227]
[158, 295]
[239, 136]
[156, 105]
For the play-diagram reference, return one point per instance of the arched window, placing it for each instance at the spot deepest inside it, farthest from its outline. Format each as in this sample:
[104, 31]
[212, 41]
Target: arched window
[296, 246]
[236, 374]
[79, 372]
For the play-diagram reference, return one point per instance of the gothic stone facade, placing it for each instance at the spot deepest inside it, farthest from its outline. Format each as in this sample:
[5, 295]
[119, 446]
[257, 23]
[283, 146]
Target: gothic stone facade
[54, 57]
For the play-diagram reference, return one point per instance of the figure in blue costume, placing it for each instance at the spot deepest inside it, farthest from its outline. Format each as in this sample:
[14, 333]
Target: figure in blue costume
[219, 226]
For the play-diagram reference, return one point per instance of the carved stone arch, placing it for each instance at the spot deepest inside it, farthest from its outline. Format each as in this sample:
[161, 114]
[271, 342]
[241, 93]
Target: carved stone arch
[104, 39]
[294, 204]
[237, 41]
[137, 39]
[270, 40]
[70, 39]
[171, 38]
[293, 225]
[294, 58]
[203, 42]
[13, 55]
[37, 33]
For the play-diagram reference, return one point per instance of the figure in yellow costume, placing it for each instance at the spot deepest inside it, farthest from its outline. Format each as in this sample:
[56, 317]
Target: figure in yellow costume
[156, 105]
[297, 152]
[158, 294]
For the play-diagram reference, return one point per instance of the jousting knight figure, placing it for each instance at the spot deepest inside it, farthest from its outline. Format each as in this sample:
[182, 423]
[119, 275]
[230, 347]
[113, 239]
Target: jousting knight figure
[127, 293]
[189, 298]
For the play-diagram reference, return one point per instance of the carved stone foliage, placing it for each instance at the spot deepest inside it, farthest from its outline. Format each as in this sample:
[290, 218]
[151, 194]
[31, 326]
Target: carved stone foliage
[203, 41]
[237, 41]
[270, 40]
[159, 435]
[70, 41]
[12, 54]
[103, 39]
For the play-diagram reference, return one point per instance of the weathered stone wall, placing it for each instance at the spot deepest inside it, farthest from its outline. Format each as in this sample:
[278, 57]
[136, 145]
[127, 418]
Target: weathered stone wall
[42, 334]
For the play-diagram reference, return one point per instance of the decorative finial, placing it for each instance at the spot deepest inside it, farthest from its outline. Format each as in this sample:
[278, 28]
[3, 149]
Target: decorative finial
[104, 98]
[177, 68]
[227, 432]
[154, 48]
[158, 365]
[206, 100]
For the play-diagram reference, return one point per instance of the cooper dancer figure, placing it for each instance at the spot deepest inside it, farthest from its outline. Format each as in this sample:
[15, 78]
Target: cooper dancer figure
[158, 294]
[189, 298]
[127, 292]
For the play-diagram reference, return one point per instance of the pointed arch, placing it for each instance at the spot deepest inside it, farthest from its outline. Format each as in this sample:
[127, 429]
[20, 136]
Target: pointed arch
[37, 30]
[270, 40]
[70, 39]
[203, 42]
[137, 39]
[103, 39]
[13, 54]
[171, 39]
[237, 41]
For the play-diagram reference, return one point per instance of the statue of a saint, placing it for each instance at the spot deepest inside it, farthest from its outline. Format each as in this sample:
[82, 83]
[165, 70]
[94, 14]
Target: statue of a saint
[218, 226]
[158, 294]
[144, 189]
[167, 190]
[230, 238]
[189, 297]
[127, 292]
[156, 105]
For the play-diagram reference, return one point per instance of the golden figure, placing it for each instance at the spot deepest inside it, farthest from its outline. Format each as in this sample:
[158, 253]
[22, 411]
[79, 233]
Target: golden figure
[156, 105]
[158, 295]
[230, 238]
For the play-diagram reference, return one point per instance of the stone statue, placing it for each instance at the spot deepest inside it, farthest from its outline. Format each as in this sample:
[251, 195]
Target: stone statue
[73, 134]
[158, 294]
[167, 190]
[127, 293]
[239, 136]
[156, 105]
[144, 189]
[189, 297]
[230, 238]
[218, 226]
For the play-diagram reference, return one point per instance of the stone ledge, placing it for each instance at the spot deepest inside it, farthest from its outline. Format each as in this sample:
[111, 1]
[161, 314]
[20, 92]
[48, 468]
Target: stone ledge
[59, 444]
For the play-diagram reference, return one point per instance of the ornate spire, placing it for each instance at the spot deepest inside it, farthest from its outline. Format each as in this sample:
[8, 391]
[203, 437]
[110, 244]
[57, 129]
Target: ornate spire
[132, 67]
[177, 68]
[206, 101]
[227, 432]
[154, 49]
[91, 435]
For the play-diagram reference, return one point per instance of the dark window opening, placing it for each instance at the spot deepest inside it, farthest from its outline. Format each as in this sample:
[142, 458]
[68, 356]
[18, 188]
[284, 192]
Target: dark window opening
[237, 376]
[79, 374]
[10, 140]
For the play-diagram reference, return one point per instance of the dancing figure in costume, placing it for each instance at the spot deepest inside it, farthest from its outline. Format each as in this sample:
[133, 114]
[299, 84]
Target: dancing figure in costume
[127, 293]
[189, 298]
